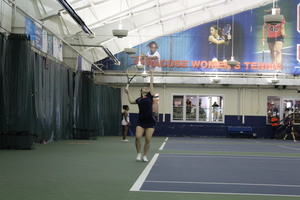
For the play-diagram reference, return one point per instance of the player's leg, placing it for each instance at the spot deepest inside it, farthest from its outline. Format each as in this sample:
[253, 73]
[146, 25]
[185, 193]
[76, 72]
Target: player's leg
[125, 131]
[278, 48]
[293, 136]
[138, 137]
[285, 136]
[148, 136]
[272, 51]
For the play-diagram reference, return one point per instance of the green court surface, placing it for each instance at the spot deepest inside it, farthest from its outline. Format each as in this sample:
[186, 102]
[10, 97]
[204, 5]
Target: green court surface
[87, 170]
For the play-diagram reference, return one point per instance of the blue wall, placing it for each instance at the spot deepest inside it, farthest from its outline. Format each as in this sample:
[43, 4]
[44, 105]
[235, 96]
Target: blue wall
[167, 128]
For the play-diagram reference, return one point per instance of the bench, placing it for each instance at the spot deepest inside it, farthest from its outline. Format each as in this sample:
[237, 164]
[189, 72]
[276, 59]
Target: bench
[235, 131]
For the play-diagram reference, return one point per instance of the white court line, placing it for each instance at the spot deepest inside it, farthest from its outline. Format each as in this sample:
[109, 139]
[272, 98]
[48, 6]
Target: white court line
[139, 182]
[222, 193]
[163, 144]
[289, 148]
[254, 141]
[217, 183]
[235, 157]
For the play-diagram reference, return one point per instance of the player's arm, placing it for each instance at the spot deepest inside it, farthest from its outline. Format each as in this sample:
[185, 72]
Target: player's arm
[134, 56]
[151, 81]
[152, 58]
[227, 39]
[214, 40]
[130, 99]
[283, 30]
[263, 32]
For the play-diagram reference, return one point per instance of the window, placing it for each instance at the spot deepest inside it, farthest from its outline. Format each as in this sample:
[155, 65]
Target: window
[197, 108]
[178, 107]
[273, 107]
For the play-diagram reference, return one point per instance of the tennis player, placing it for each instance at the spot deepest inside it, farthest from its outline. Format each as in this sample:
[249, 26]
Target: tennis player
[125, 123]
[275, 36]
[290, 130]
[152, 57]
[215, 40]
[146, 121]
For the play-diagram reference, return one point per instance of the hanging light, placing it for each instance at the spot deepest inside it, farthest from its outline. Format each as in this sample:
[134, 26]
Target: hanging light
[120, 32]
[144, 74]
[273, 18]
[216, 80]
[275, 80]
[130, 51]
[139, 65]
[232, 62]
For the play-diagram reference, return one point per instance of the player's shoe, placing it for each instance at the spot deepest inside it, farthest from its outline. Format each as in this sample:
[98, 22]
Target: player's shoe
[139, 157]
[145, 159]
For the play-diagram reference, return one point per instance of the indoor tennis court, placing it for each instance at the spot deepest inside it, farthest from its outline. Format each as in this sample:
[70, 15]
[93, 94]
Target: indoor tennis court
[200, 93]
[224, 166]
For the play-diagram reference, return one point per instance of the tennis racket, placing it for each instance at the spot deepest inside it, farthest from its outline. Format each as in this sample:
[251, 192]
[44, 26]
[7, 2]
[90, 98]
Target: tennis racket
[226, 30]
[131, 72]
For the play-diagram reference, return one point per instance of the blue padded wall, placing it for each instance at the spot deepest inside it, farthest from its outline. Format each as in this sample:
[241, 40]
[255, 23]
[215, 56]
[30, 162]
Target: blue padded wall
[167, 128]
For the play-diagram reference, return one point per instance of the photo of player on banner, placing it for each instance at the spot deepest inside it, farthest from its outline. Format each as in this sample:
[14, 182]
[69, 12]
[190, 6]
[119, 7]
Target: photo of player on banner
[152, 57]
[275, 37]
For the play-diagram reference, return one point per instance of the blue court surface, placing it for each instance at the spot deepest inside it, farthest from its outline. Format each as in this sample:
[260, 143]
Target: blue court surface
[224, 166]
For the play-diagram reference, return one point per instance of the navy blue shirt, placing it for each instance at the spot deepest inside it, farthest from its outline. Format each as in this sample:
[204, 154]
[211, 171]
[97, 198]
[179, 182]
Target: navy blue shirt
[146, 110]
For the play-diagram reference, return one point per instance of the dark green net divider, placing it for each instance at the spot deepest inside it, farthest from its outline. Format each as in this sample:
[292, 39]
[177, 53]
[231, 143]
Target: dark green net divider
[49, 101]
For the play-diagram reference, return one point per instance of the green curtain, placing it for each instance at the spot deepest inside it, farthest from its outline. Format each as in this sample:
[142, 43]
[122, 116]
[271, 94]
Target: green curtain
[51, 99]
[84, 119]
[96, 108]
[2, 62]
[17, 85]
[112, 102]
[108, 110]
[45, 98]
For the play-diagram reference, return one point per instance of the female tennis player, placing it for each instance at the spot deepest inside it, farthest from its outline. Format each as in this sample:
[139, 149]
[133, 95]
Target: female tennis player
[152, 57]
[275, 36]
[215, 39]
[146, 121]
[125, 123]
[290, 130]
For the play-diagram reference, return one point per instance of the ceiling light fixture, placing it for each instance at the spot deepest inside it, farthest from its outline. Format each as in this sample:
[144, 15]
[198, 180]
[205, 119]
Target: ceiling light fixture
[216, 79]
[275, 81]
[232, 62]
[274, 17]
[139, 65]
[130, 51]
[120, 32]
[144, 74]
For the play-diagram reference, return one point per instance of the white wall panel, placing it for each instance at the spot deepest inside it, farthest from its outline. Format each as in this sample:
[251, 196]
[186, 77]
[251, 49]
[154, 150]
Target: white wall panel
[5, 16]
